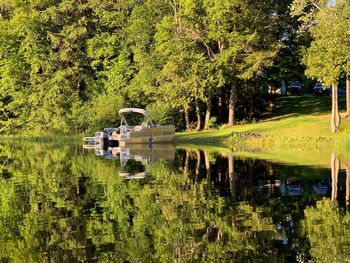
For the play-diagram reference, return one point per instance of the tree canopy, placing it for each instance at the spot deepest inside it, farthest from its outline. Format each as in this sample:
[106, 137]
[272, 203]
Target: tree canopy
[69, 66]
[327, 57]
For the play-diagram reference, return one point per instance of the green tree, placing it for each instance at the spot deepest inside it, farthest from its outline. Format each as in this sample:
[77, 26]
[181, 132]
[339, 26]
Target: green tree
[53, 71]
[14, 71]
[326, 58]
[218, 43]
[61, 60]
[341, 29]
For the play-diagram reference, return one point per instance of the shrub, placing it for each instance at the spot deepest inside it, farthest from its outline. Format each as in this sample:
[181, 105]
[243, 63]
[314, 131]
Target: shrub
[212, 123]
[103, 111]
[162, 114]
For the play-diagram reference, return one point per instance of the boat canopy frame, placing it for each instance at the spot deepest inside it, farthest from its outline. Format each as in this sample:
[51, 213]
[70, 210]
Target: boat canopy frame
[134, 110]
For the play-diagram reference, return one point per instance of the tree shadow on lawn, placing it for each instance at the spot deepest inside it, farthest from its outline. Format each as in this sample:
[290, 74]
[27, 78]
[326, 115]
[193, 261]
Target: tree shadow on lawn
[306, 105]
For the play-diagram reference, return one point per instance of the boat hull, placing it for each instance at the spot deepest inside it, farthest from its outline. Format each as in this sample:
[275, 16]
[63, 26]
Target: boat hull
[131, 135]
[161, 134]
[148, 140]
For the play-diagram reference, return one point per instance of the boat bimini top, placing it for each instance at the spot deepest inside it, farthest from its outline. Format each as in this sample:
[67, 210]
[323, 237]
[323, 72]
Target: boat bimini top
[134, 110]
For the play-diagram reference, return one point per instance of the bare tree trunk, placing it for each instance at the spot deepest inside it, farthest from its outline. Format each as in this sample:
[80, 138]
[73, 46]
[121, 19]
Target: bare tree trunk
[347, 96]
[335, 117]
[187, 119]
[198, 112]
[335, 171]
[208, 113]
[232, 104]
[231, 174]
[333, 125]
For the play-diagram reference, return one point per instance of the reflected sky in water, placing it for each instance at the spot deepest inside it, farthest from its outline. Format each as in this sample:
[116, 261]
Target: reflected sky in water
[63, 203]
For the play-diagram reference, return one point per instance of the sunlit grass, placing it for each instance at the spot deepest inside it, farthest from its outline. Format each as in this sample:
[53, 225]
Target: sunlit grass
[313, 126]
[300, 124]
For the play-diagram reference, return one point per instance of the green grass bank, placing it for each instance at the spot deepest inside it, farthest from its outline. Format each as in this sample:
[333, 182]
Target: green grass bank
[298, 124]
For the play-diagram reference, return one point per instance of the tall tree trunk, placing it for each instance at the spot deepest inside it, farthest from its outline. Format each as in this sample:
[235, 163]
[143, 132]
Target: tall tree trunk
[187, 119]
[198, 112]
[232, 104]
[335, 171]
[347, 96]
[335, 117]
[208, 112]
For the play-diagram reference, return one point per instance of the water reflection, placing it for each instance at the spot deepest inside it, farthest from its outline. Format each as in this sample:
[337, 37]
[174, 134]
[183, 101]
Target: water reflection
[61, 203]
[340, 185]
[135, 159]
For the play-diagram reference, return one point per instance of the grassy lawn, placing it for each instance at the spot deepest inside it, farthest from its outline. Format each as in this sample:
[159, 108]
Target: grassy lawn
[294, 116]
[312, 125]
[299, 131]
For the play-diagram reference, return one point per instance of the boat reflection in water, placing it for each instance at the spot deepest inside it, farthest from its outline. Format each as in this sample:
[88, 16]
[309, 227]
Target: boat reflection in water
[134, 159]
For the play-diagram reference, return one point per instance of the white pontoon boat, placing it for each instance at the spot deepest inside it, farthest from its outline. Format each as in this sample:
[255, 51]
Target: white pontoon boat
[134, 133]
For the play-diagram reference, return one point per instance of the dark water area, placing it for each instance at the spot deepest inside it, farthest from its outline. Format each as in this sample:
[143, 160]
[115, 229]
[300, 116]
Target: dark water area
[63, 203]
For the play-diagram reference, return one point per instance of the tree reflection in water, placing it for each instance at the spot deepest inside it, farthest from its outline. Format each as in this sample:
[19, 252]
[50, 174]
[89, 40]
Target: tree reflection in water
[59, 205]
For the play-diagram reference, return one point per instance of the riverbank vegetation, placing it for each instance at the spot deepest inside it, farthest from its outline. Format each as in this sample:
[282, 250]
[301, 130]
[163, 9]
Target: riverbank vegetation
[67, 67]
[298, 124]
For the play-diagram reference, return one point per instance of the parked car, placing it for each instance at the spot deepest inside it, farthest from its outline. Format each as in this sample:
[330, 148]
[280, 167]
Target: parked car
[319, 89]
[340, 91]
[295, 88]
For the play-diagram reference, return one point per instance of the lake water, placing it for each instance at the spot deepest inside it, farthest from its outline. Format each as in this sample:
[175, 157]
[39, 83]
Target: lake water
[63, 203]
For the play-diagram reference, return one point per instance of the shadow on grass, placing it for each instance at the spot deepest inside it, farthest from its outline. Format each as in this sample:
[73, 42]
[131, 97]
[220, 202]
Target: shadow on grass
[288, 109]
[306, 105]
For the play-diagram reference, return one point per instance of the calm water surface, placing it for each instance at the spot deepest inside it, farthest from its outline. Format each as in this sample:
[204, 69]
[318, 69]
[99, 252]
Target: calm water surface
[63, 203]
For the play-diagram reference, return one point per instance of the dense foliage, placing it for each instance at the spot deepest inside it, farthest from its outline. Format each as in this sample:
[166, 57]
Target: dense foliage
[68, 66]
[327, 58]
